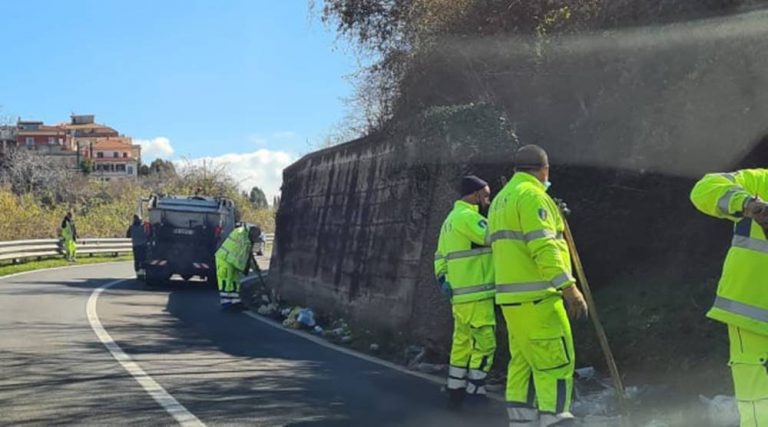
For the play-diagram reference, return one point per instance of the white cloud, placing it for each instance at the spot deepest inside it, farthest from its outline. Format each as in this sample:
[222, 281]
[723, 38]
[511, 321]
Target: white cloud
[154, 148]
[262, 168]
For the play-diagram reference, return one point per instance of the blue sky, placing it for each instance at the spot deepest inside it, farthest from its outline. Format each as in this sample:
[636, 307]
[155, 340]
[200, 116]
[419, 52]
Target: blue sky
[187, 79]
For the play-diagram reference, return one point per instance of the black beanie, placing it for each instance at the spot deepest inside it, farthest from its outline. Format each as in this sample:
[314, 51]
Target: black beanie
[470, 184]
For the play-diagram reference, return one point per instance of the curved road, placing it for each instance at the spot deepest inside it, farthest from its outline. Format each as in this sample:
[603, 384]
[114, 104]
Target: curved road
[224, 368]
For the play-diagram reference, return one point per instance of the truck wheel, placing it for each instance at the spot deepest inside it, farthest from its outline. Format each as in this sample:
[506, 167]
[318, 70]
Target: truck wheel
[211, 281]
[154, 280]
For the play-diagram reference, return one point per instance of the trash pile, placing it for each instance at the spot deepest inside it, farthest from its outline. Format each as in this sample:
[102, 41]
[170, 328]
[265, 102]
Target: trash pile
[414, 356]
[269, 304]
[721, 410]
[595, 400]
[596, 404]
[295, 317]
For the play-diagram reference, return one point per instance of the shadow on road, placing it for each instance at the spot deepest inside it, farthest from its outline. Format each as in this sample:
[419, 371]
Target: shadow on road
[227, 367]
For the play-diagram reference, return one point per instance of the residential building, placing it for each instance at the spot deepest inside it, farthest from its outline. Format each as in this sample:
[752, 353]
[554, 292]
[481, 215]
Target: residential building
[113, 157]
[35, 135]
[83, 129]
[49, 141]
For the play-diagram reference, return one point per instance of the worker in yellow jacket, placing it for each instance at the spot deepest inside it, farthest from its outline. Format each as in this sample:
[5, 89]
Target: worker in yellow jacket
[532, 265]
[464, 271]
[742, 300]
[68, 234]
[233, 260]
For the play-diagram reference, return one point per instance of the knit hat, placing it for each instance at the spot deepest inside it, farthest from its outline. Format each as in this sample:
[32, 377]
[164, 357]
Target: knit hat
[470, 184]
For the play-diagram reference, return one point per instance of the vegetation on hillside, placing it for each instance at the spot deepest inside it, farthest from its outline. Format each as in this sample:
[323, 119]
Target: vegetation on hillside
[35, 195]
[396, 39]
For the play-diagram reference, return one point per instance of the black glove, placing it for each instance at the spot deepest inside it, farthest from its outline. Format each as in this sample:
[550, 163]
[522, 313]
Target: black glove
[445, 287]
[757, 210]
[562, 206]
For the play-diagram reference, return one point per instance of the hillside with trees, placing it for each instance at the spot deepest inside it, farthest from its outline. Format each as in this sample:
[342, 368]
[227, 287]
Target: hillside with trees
[35, 195]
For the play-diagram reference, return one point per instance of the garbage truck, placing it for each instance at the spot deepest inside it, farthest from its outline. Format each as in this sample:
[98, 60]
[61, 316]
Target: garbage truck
[184, 234]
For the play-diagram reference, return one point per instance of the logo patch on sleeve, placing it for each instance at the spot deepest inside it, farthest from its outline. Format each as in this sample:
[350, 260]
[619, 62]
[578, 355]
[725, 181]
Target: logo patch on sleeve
[543, 214]
[483, 223]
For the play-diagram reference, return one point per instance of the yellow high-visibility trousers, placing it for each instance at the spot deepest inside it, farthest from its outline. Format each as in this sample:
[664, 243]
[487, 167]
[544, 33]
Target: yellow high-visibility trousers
[70, 248]
[542, 361]
[473, 345]
[228, 279]
[749, 367]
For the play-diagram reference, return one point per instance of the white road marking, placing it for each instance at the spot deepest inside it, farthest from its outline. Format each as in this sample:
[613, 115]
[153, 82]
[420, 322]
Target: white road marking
[322, 342]
[162, 397]
[41, 270]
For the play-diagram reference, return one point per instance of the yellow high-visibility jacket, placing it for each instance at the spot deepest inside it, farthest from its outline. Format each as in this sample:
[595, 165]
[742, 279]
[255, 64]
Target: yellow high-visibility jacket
[742, 294]
[236, 249]
[463, 255]
[530, 256]
[68, 231]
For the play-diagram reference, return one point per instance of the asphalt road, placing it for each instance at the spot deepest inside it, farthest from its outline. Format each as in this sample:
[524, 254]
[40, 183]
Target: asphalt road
[224, 368]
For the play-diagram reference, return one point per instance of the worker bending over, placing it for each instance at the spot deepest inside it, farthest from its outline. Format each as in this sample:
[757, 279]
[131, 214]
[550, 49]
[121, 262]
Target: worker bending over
[233, 260]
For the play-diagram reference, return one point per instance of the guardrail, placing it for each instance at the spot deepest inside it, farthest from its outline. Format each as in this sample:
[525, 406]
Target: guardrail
[18, 250]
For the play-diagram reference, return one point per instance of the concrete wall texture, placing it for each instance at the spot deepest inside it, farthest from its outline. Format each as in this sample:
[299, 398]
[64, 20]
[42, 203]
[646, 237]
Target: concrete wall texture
[357, 222]
[630, 120]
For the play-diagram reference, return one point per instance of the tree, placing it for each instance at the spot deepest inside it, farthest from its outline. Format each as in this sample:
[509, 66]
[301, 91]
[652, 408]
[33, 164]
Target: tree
[396, 38]
[158, 174]
[207, 177]
[258, 199]
[162, 168]
[86, 166]
[30, 173]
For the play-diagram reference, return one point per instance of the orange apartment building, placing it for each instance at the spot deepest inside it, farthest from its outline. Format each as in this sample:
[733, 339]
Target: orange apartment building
[113, 156]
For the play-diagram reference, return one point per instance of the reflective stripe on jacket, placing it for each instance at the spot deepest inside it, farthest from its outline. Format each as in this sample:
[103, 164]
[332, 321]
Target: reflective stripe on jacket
[463, 256]
[236, 249]
[741, 299]
[530, 256]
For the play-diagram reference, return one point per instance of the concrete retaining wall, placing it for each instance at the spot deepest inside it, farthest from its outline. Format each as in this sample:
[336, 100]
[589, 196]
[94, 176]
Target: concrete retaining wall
[630, 120]
[357, 222]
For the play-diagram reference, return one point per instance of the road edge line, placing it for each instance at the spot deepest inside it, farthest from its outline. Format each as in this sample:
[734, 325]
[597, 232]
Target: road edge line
[368, 358]
[354, 353]
[155, 390]
[40, 270]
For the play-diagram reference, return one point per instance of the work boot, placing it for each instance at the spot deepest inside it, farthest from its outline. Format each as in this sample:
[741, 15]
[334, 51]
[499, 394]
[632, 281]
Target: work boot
[563, 419]
[455, 399]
